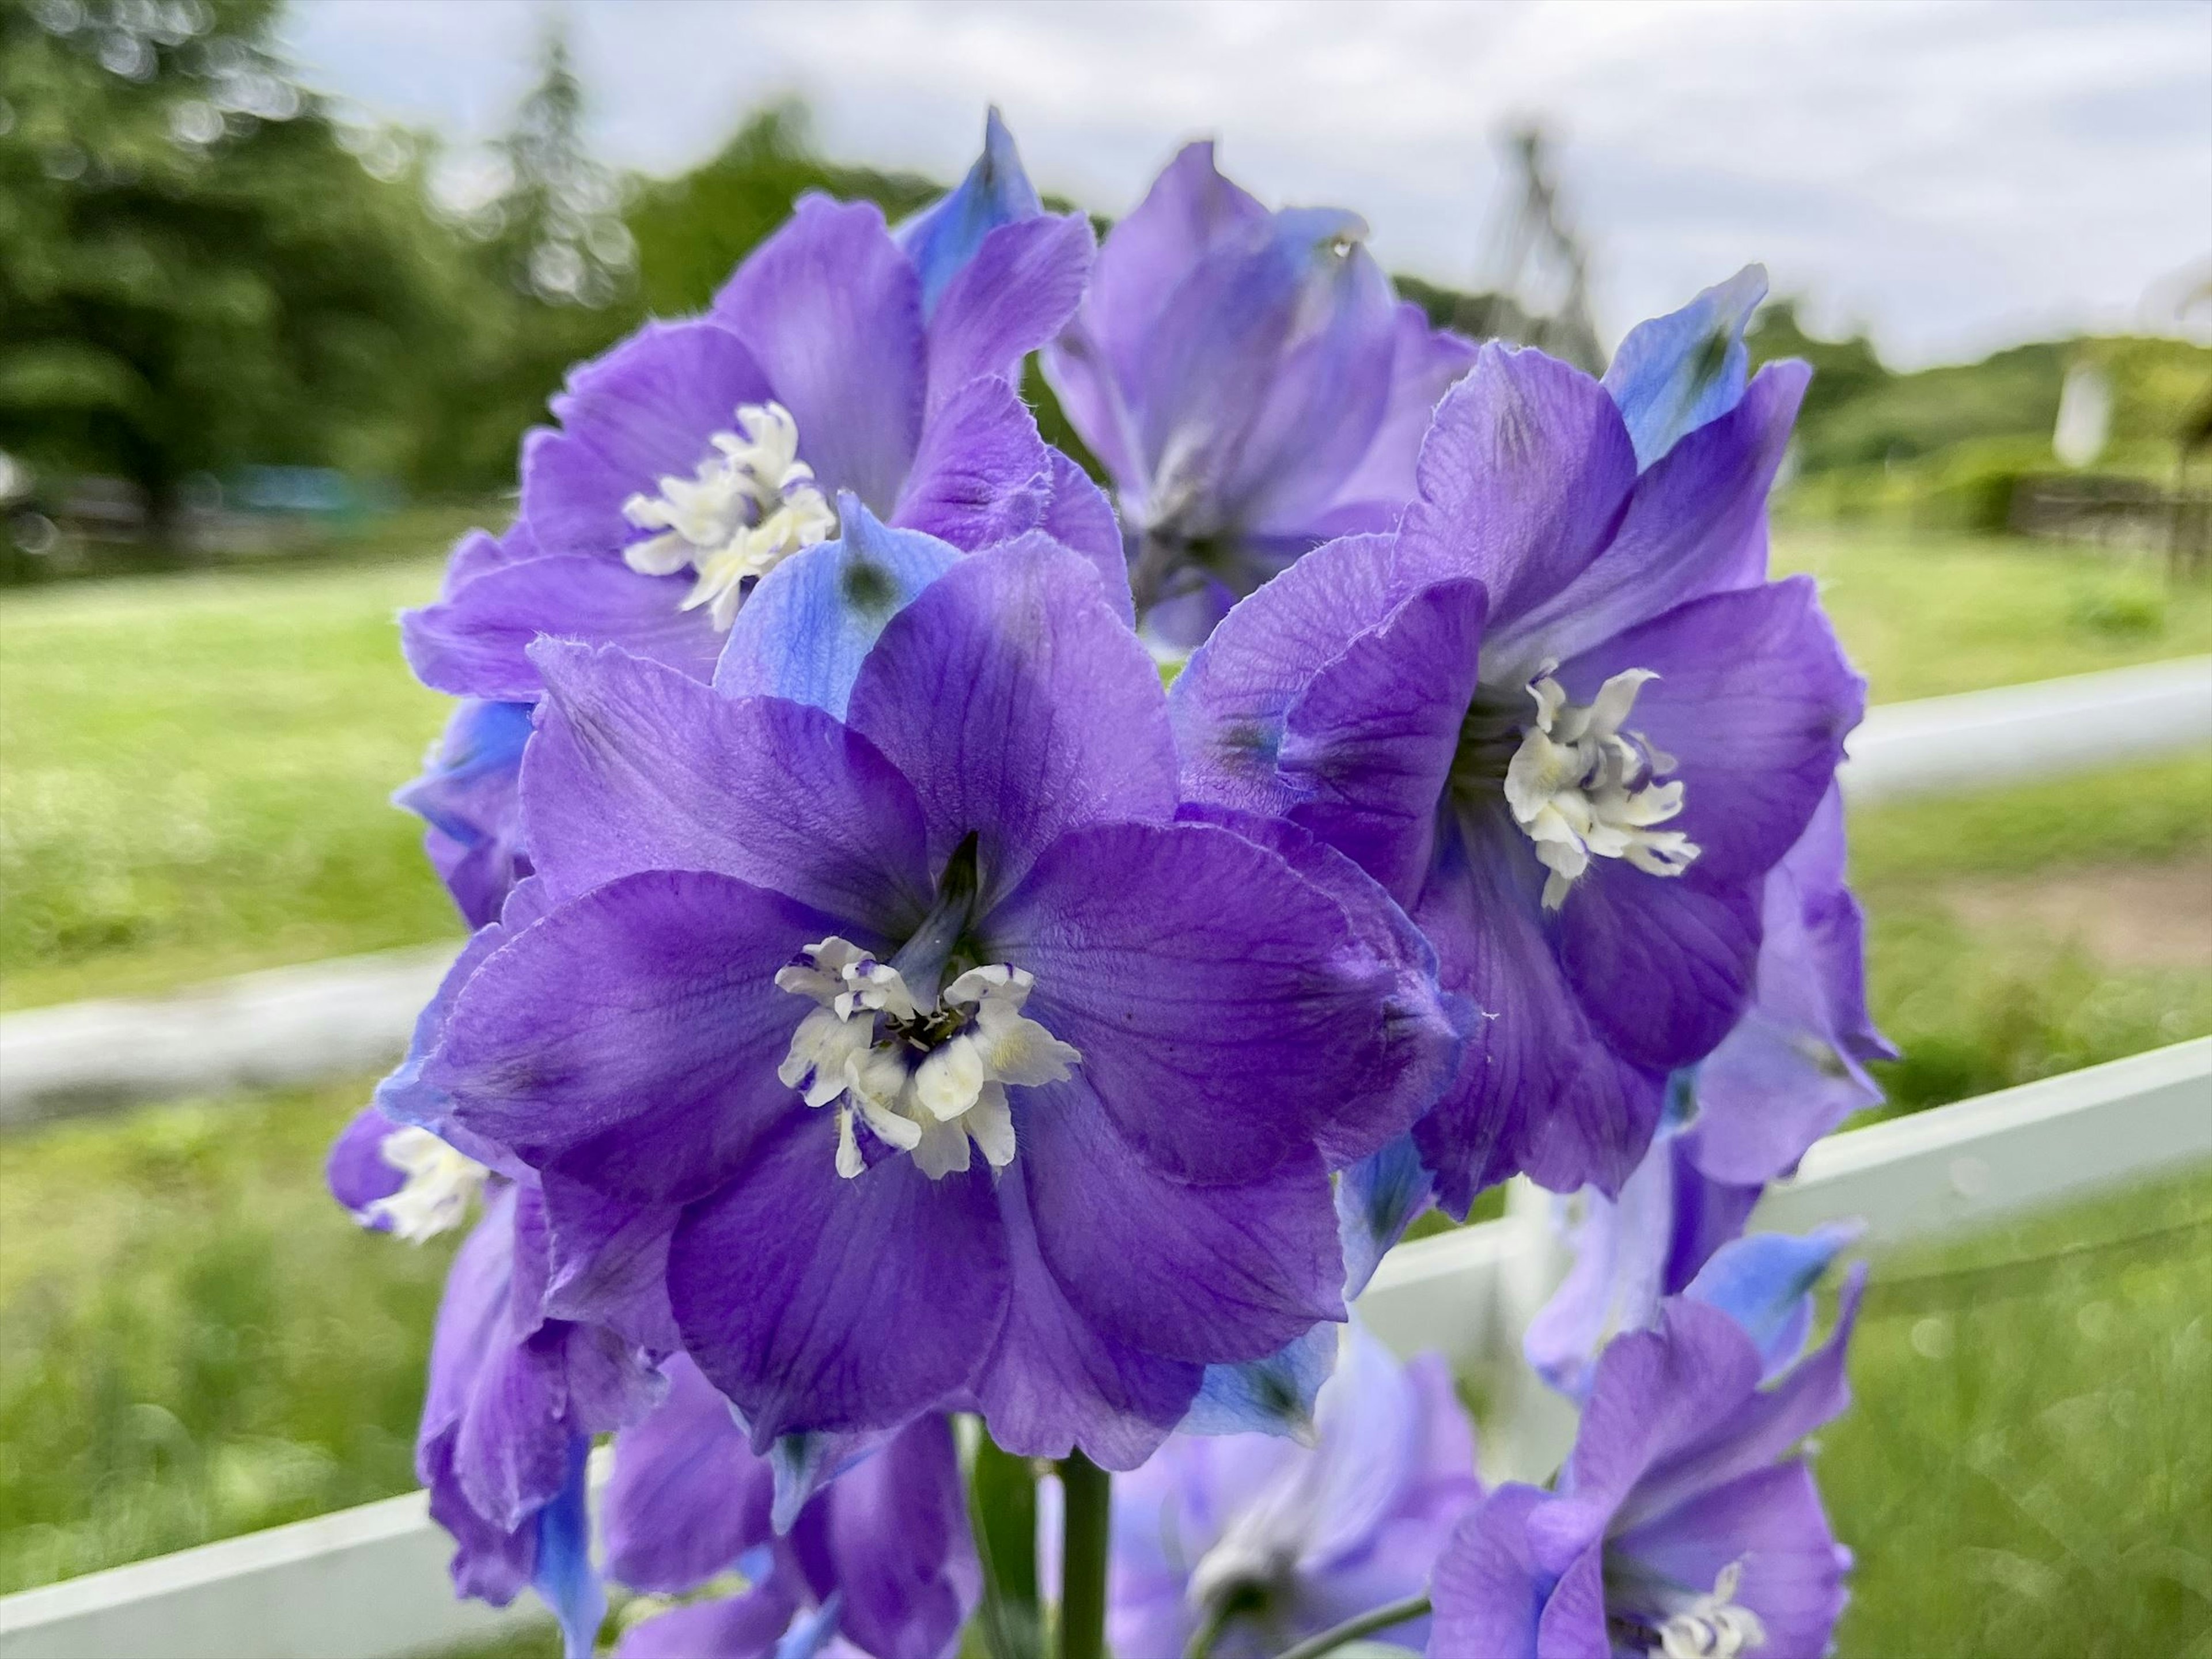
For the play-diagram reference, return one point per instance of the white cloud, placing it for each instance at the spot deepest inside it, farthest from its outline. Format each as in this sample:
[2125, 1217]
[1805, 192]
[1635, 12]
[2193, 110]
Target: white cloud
[1957, 175]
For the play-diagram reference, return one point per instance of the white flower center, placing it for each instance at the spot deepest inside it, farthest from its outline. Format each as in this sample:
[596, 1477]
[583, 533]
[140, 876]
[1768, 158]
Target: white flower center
[927, 1080]
[752, 505]
[1580, 789]
[1713, 1626]
[435, 1195]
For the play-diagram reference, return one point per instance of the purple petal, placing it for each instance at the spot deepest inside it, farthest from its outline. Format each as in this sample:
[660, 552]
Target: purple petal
[1014, 296]
[1524, 477]
[632, 1038]
[1018, 706]
[1674, 374]
[1489, 1591]
[806, 629]
[467, 796]
[1617, 1281]
[688, 1496]
[607, 1262]
[477, 643]
[489, 1563]
[1764, 1283]
[894, 1540]
[944, 237]
[1417, 1044]
[1663, 965]
[637, 768]
[355, 1171]
[511, 1454]
[982, 474]
[644, 410]
[1056, 1383]
[1369, 743]
[1080, 518]
[820, 1302]
[1754, 699]
[831, 310]
[480, 550]
[1425, 363]
[1762, 1426]
[473, 1321]
[1688, 527]
[1204, 1274]
[1540, 1079]
[1215, 1034]
[562, 1574]
[1771, 1524]
[747, 1626]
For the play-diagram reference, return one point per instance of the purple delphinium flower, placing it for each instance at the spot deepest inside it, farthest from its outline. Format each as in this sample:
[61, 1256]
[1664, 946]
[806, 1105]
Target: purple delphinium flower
[691, 459]
[880, 1563]
[1789, 1073]
[1561, 715]
[1252, 384]
[1680, 1526]
[465, 798]
[969, 1076]
[513, 1396]
[1284, 1539]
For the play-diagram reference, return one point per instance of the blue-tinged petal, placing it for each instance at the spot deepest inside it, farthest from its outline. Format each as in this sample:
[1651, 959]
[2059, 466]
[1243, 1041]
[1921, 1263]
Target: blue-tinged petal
[942, 237]
[1274, 1395]
[1013, 297]
[563, 1575]
[1673, 374]
[804, 631]
[1615, 1284]
[1764, 1283]
[1377, 1199]
[803, 1464]
[688, 1497]
[467, 797]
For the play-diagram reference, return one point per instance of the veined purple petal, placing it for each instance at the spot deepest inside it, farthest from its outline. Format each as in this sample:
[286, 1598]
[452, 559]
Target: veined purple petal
[1662, 966]
[631, 1039]
[1056, 1383]
[1769, 1524]
[1425, 363]
[1015, 293]
[688, 1496]
[477, 643]
[943, 237]
[643, 411]
[981, 474]
[831, 309]
[782, 1285]
[813, 619]
[1018, 706]
[1688, 527]
[1489, 1591]
[1753, 699]
[1080, 518]
[636, 768]
[1524, 477]
[1203, 1274]
[607, 1262]
[1215, 1035]
[1675, 374]
[891, 1541]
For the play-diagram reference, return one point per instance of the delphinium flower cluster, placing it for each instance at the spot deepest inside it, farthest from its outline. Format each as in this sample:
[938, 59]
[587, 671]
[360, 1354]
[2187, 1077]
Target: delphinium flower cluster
[927, 1093]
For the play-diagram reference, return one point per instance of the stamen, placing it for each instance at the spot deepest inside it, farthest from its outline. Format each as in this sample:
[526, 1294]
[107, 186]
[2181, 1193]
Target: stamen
[435, 1195]
[752, 504]
[1712, 1626]
[1579, 789]
[929, 1080]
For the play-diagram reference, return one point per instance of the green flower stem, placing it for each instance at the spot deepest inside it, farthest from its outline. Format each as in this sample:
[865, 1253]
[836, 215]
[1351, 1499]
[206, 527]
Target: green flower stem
[1088, 1492]
[1397, 1613]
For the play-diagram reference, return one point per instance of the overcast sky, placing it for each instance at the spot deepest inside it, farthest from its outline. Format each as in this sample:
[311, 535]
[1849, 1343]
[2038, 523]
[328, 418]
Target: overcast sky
[1954, 174]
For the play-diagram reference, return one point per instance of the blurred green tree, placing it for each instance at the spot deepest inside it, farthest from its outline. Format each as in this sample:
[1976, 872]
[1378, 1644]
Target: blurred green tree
[194, 268]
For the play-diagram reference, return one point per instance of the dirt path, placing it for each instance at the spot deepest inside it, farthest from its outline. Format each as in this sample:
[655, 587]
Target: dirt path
[2130, 915]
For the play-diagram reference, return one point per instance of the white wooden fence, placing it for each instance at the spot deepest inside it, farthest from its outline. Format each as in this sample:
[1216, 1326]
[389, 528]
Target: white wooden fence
[369, 1583]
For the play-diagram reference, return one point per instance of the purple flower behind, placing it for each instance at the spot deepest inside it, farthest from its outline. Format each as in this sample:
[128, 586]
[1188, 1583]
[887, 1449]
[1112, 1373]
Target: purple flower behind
[1562, 717]
[879, 1564]
[697, 455]
[466, 800]
[1680, 1526]
[1296, 1538]
[1252, 384]
[947, 982]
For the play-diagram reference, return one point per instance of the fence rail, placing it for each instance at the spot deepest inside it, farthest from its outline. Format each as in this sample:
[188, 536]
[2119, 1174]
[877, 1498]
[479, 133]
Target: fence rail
[368, 1583]
[336, 1018]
